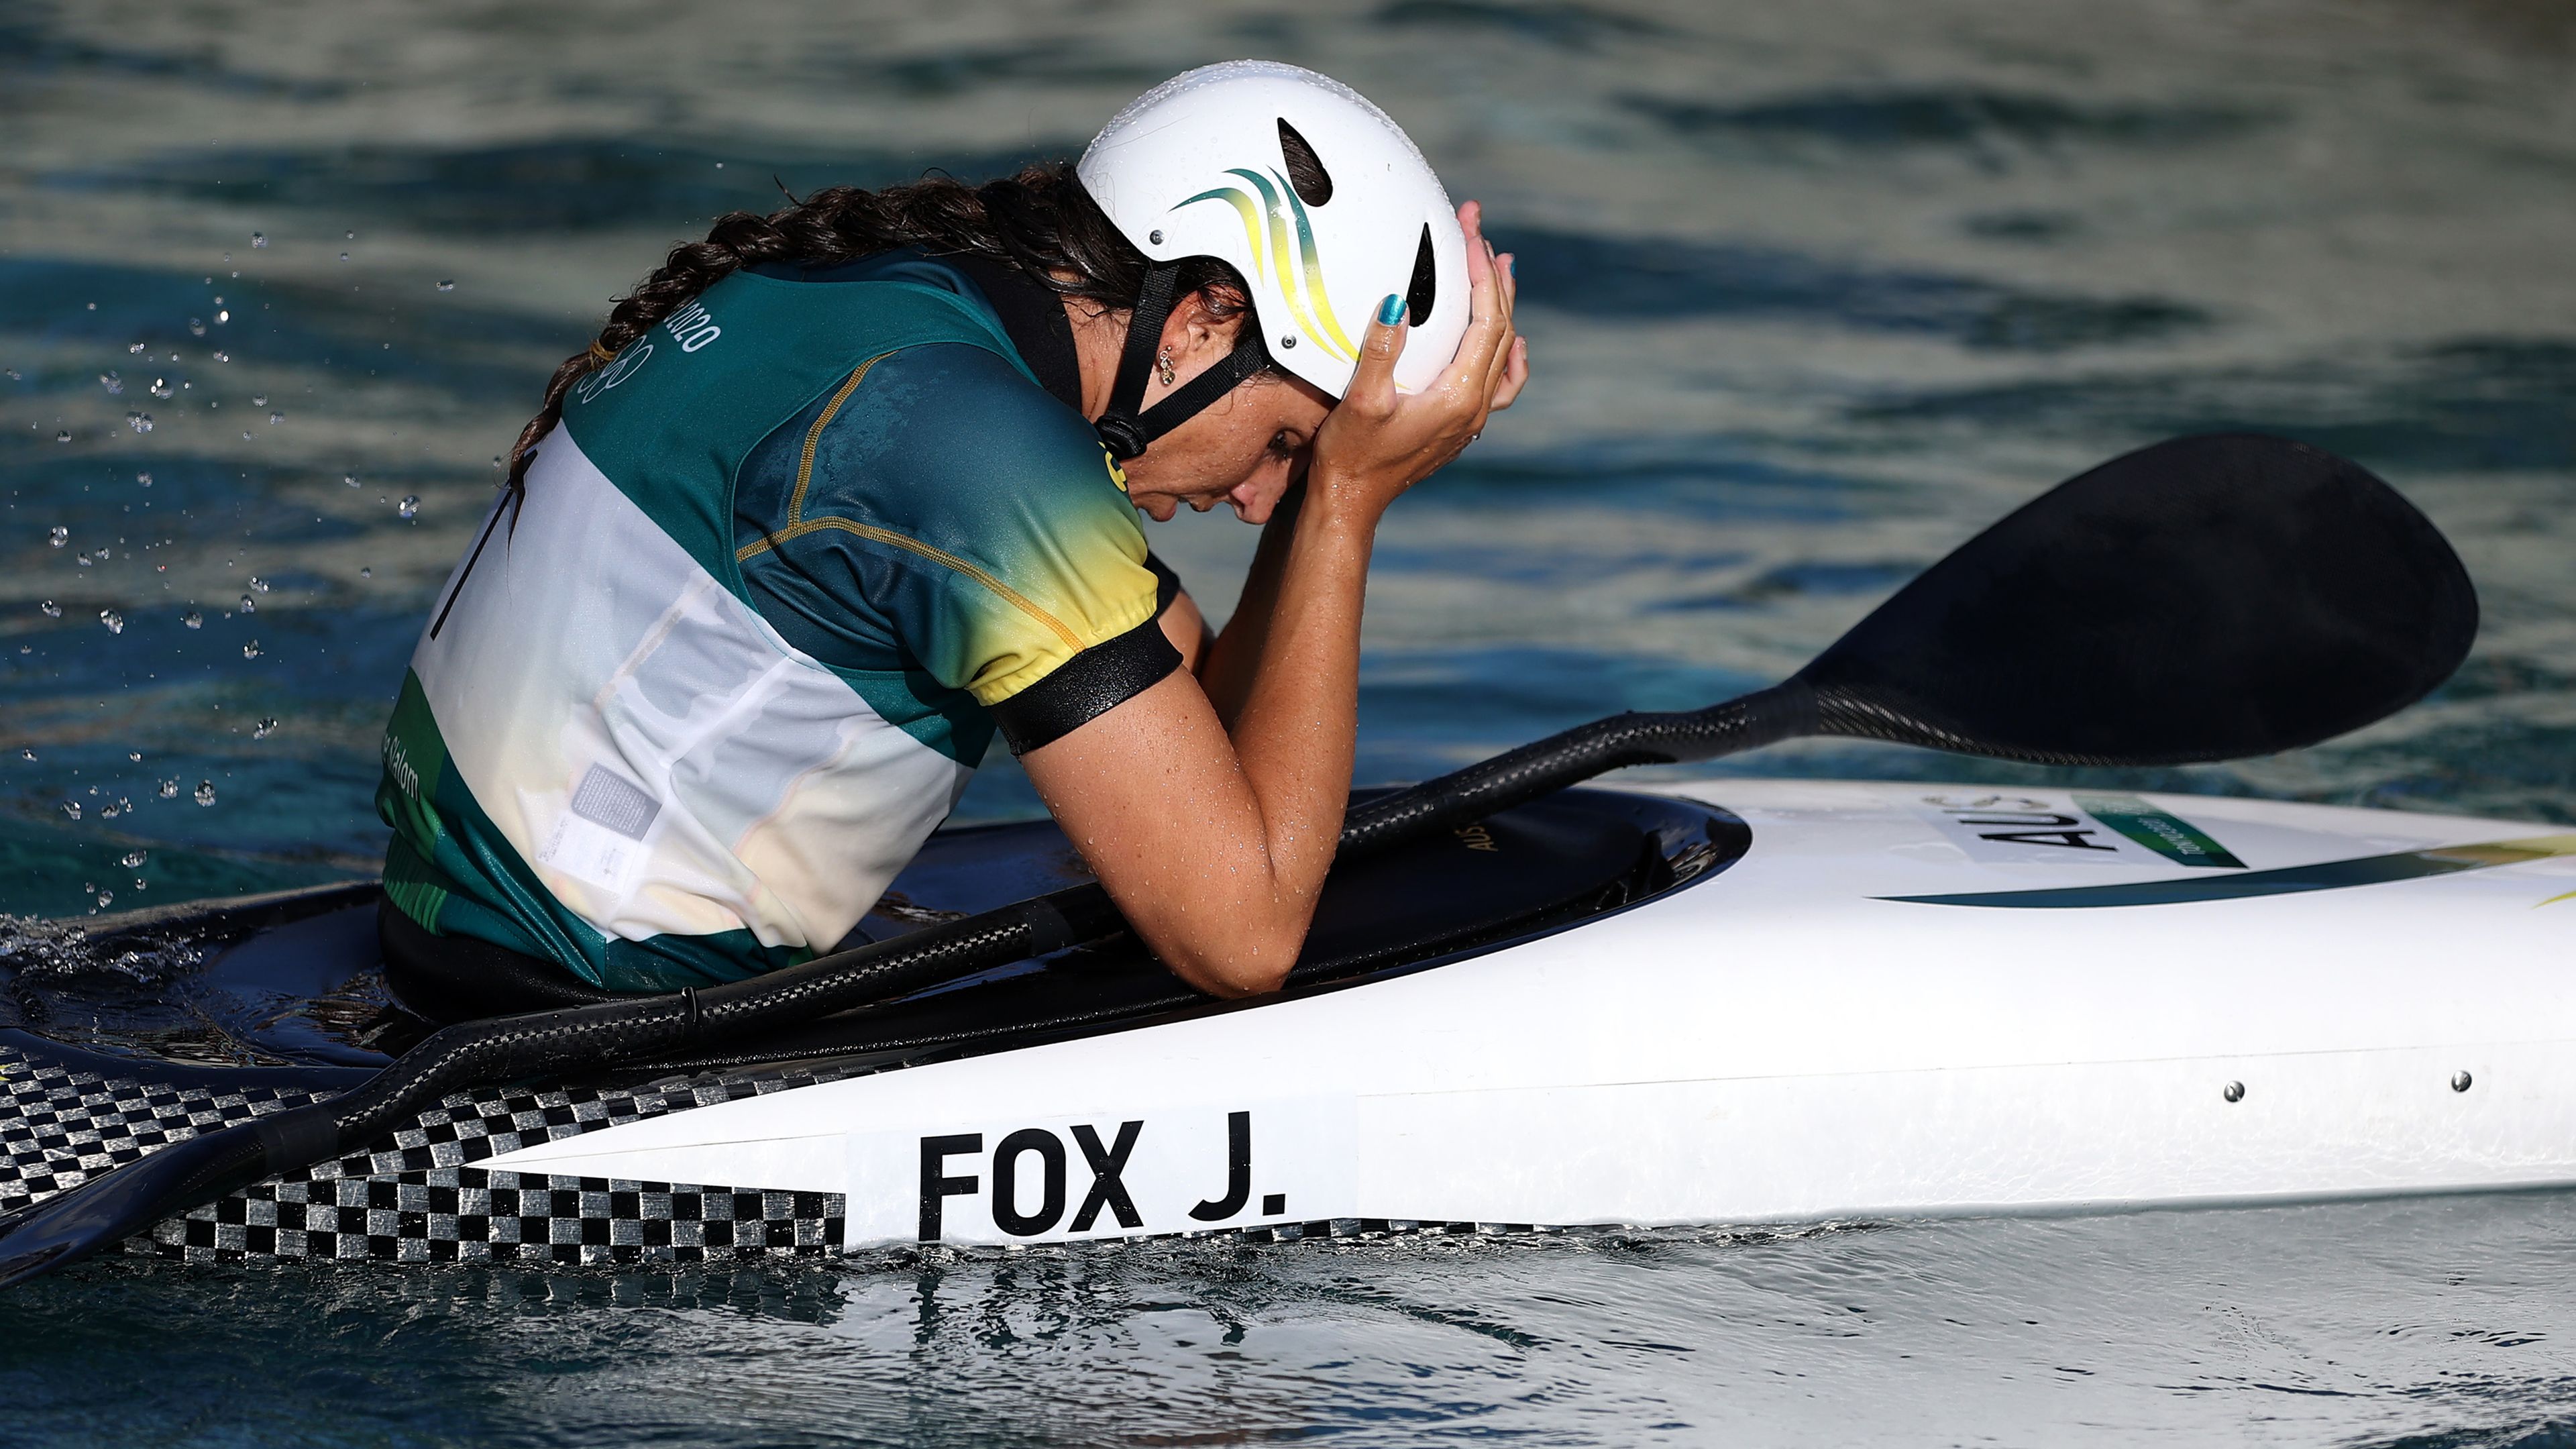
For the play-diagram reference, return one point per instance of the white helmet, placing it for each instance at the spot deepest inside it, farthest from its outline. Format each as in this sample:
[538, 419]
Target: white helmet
[1199, 166]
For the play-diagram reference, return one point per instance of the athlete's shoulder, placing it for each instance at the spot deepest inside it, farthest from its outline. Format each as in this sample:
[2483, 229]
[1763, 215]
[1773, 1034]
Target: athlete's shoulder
[973, 390]
[972, 422]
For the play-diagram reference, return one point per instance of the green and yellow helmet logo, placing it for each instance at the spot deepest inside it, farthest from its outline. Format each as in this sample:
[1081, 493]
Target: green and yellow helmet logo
[1267, 229]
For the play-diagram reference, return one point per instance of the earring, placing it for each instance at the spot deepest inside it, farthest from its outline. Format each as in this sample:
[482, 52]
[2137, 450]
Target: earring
[1163, 367]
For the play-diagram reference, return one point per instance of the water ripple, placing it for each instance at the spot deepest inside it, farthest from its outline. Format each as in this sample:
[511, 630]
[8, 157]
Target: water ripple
[1664, 278]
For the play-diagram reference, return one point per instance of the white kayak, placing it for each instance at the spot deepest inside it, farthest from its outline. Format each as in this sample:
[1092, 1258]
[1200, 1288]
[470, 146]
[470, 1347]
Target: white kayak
[1719, 1001]
[1901, 1000]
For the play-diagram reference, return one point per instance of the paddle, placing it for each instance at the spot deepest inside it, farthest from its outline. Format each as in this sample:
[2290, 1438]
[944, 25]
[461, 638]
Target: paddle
[2203, 599]
[2207, 598]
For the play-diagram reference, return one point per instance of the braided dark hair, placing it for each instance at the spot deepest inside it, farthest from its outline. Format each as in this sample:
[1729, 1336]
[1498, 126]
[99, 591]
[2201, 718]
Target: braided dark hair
[1039, 220]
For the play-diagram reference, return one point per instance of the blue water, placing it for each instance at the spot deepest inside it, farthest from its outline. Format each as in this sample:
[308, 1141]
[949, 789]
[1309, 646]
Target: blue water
[1814, 291]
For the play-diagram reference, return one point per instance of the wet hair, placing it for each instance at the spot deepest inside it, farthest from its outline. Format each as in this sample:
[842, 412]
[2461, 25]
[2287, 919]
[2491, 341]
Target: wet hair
[1040, 221]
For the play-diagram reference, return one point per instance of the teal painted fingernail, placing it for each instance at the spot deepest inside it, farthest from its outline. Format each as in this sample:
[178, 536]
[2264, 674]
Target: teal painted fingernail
[1390, 311]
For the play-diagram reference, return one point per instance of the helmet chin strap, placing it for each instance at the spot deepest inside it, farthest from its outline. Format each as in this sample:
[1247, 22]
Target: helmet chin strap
[1125, 431]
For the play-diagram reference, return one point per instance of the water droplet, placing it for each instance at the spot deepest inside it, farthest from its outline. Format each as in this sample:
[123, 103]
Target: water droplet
[263, 729]
[72, 808]
[138, 882]
[410, 506]
[247, 606]
[257, 240]
[135, 755]
[136, 347]
[223, 357]
[193, 619]
[197, 326]
[349, 478]
[205, 792]
[162, 389]
[13, 374]
[104, 897]
[169, 790]
[344, 256]
[275, 418]
[258, 585]
[223, 317]
[259, 399]
[27, 753]
[245, 437]
[114, 621]
[107, 812]
[50, 609]
[139, 422]
[351, 235]
[113, 383]
[63, 436]
[251, 650]
[447, 286]
[143, 478]
[82, 559]
[60, 535]
[103, 554]
[366, 573]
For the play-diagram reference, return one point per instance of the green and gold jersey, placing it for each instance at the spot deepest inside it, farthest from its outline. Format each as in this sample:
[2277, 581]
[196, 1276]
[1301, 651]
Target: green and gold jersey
[785, 566]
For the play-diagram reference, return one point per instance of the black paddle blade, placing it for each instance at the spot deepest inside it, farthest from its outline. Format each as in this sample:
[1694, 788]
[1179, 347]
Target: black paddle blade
[2207, 598]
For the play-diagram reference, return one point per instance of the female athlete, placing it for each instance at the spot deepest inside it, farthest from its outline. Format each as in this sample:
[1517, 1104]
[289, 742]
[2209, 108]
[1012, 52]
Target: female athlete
[839, 492]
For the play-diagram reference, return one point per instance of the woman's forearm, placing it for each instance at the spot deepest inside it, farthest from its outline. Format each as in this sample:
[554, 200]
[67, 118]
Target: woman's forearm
[1235, 655]
[1295, 727]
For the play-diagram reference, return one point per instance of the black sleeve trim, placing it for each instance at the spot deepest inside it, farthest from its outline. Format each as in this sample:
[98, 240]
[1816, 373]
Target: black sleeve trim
[1167, 584]
[1090, 684]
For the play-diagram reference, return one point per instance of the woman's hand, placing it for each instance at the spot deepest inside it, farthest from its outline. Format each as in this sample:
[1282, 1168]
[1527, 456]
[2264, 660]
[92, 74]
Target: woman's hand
[1378, 442]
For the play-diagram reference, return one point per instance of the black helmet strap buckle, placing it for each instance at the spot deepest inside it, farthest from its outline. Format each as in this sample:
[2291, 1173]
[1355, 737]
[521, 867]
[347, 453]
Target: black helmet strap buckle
[1125, 431]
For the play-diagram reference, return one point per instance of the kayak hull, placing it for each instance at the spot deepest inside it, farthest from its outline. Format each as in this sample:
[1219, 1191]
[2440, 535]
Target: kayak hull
[1892, 1001]
[1803, 1037]
[412, 1199]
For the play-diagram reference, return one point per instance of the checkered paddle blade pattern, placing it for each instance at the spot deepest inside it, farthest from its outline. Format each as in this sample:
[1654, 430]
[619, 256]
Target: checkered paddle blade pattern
[416, 1197]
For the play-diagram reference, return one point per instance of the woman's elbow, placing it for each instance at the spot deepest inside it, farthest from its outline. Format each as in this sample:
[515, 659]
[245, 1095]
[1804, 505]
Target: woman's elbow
[1243, 981]
[1247, 964]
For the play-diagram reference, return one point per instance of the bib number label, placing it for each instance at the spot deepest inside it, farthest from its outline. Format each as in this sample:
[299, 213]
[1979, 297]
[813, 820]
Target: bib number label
[1165, 1170]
